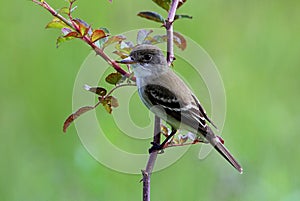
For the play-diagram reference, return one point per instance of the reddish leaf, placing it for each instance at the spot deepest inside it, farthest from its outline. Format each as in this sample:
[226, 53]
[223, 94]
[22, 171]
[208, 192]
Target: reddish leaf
[182, 138]
[179, 41]
[97, 35]
[151, 16]
[75, 115]
[113, 78]
[83, 27]
[73, 34]
[181, 2]
[113, 39]
[114, 101]
[120, 54]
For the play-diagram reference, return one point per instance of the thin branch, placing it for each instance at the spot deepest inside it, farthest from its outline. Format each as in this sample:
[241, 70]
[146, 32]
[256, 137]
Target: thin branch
[170, 58]
[85, 38]
[119, 86]
[53, 12]
[151, 161]
[170, 35]
[157, 123]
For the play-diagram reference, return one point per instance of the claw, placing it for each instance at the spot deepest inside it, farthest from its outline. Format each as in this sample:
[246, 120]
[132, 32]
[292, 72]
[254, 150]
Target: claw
[155, 147]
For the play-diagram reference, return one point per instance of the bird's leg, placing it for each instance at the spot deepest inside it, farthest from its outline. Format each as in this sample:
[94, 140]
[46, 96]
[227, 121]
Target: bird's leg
[157, 147]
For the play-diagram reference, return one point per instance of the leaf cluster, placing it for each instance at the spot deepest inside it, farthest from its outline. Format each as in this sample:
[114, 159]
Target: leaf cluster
[75, 28]
[165, 4]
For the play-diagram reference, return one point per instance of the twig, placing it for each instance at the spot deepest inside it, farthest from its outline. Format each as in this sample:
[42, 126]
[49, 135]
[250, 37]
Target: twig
[118, 86]
[170, 57]
[169, 28]
[157, 123]
[85, 38]
[151, 161]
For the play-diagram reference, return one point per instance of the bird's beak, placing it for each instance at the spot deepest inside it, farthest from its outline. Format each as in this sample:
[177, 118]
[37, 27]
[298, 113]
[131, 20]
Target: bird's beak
[127, 60]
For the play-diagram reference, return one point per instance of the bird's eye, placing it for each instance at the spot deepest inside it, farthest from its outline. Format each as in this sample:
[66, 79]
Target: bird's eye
[147, 57]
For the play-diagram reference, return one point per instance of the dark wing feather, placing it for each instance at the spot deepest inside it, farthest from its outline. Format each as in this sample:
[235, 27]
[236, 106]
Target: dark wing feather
[187, 113]
[190, 114]
[201, 109]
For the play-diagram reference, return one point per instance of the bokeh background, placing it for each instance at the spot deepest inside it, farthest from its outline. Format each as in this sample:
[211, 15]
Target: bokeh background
[255, 44]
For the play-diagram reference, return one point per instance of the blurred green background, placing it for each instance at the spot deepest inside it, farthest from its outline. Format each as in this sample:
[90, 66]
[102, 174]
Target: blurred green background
[256, 46]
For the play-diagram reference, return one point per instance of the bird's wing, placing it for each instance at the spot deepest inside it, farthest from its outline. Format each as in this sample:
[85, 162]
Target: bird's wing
[203, 111]
[191, 114]
[187, 113]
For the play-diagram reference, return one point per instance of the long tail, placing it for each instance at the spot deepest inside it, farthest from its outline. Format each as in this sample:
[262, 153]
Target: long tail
[217, 144]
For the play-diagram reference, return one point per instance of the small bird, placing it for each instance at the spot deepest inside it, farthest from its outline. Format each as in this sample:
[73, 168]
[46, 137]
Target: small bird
[168, 97]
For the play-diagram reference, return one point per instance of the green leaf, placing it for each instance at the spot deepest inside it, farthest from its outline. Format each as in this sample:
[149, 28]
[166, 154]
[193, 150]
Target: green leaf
[152, 16]
[107, 107]
[124, 47]
[64, 10]
[56, 23]
[182, 17]
[113, 39]
[113, 78]
[62, 39]
[109, 102]
[105, 30]
[97, 90]
[75, 115]
[160, 38]
[142, 35]
[179, 41]
[97, 35]
[164, 130]
[165, 4]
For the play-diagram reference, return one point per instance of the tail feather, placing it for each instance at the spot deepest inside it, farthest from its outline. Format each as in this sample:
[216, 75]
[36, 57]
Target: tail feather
[217, 144]
[228, 156]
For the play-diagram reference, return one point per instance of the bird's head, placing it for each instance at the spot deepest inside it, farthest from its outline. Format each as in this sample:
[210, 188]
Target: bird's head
[146, 60]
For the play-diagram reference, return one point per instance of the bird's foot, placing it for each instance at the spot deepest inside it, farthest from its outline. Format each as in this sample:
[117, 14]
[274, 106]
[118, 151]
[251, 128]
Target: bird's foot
[156, 147]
